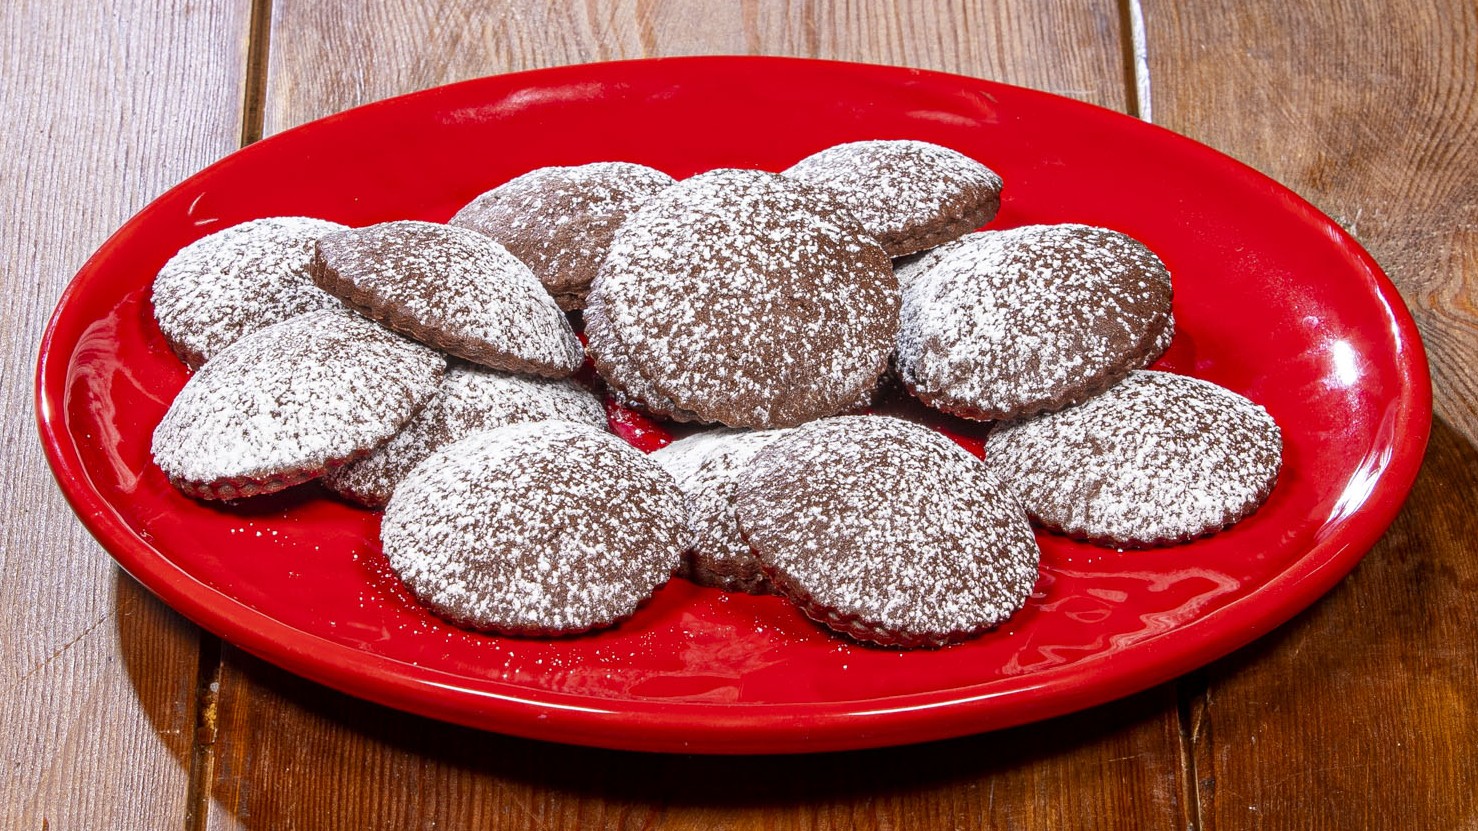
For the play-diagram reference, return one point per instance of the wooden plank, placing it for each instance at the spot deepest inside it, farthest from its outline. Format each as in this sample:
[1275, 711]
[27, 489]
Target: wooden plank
[327, 58]
[1359, 714]
[106, 105]
[1374, 123]
[293, 755]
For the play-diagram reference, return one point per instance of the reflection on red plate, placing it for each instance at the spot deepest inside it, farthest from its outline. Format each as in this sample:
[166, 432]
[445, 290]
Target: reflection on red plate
[1272, 300]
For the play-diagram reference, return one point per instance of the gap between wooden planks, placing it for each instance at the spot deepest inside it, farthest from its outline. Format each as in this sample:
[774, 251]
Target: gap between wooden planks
[1360, 713]
[106, 104]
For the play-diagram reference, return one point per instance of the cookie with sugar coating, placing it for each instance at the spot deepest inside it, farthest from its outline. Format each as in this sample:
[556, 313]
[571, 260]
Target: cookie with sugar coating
[743, 298]
[1004, 324]
[451, 288]
[236, 281]
[909, 268]
[470, 398]
[1157, 459]
[290, 402]
[541, 528]
[910, 195]
[887, 531]
[559, 220]
[707, 466]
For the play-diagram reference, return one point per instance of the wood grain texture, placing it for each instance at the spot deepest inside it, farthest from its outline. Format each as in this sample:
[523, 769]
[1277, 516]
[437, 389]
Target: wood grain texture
[1374, 121]
[1360, 713]
[106, 106]
[292, 755]
[329, 57]
[289, 754]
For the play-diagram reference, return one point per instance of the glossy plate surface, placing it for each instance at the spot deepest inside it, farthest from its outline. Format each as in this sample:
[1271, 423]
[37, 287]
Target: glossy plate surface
[1272, 299]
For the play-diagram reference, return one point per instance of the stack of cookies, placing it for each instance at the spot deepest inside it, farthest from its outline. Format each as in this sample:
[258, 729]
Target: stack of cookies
[427, 369]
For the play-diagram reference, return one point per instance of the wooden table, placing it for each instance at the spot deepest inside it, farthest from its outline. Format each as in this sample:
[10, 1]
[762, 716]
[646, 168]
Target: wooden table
[1360, 713]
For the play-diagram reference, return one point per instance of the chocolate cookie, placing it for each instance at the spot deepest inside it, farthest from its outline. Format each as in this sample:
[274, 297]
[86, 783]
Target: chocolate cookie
[908, 269]
[887, 531]
[451, 288]
[1162, 343]
[910, 195]
[546, 528]
[707, 466]
[291, 401]
[627, 386]
[470, 399]
[234, 282]
[743, 298]
[1157, 459]
[559, 220]
[1006, 324]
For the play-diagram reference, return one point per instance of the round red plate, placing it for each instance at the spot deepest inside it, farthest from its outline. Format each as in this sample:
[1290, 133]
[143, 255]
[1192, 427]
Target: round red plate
[1272, 300]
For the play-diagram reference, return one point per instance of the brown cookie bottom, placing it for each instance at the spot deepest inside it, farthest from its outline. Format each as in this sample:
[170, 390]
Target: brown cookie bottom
[222, 490]
[938, 233]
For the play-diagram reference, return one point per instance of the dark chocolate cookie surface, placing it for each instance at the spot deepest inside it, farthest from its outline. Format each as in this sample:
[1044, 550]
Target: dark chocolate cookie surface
[743, 298]
[544, 528]
[288, 402]
[451, 288]
[234, 282]
[1156, 459]
[911, 195]
[908, 269]
[707, 466]
[470, 398]
[559, 220]
[887, 531]
[1005, 324]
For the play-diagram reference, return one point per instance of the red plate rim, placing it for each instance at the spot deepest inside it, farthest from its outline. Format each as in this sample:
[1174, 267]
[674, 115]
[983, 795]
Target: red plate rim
[751, 728]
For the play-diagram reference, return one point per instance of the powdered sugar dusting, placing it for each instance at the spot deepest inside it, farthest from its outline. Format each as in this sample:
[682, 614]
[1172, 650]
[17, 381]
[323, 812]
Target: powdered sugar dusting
[909, 269]
[707, 466]
[559, 220]
[887, 530]
[1158, 458]
[628, 387]
[1160, 344]
[535, 528]
[295, 397]
[743, 299]
[237, 281]
[1009, 323]
[911, 195]
[470, 399]
[452, 288]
